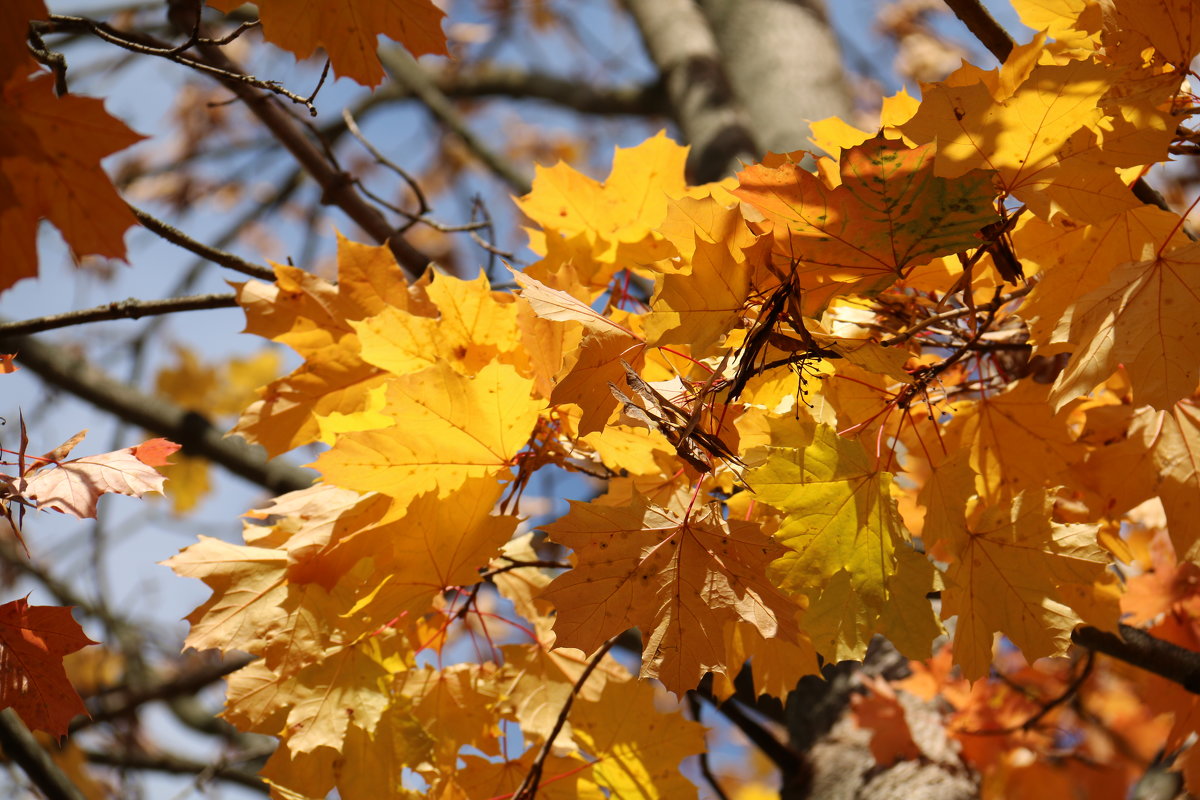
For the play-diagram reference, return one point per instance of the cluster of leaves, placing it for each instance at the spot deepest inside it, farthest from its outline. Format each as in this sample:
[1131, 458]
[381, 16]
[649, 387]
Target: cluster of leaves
[935, 386]
[906, 374]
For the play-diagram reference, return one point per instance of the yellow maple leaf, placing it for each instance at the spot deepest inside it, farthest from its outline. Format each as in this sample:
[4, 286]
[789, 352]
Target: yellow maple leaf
[456, 705]
[699, 307]
[441, 541]
[1175, 441]
[1073, 261]
[616, 216]
[1011, 571]
[349, 31]
[1018, 136]
[638, 749]
[1146, 317]
[678, 578]
[313, 706]
[472, 327]
[1016, 440]
[312, 316]
[447, 427]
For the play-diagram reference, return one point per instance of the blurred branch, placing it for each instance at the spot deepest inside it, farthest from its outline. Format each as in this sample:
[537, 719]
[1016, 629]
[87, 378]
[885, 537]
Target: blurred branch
[490, 81]
[177, 765]
[405, 70]
[178, 237]
[198, 436]
[20, 746]
[120, 309]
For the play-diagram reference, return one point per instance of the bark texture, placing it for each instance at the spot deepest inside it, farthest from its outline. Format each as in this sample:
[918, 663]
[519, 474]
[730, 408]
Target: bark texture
[784, 63]
[703, 103]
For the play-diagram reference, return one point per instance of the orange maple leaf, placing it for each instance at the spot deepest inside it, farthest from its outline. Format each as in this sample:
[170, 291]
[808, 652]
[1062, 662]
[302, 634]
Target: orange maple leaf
[50, 169]
[33, 641]
[886, 211]
[349, 30]
[680, 579]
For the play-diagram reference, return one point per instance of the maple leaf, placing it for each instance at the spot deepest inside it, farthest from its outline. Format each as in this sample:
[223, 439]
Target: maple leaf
[638, 749]
[14, 25]
[1016, 440]
[888, 212]
[1146, 317]
[349, 31]
[1019, 134]
[50, 169]
[312, 316]
[1174, 444]
[597, 363]
[697, 307]
[33, 641]
[680, 579]
[843, 529]
[315, 705]
[1010, 573]
[73, 487]
[1074, 261]
[446, 428]
[616, 216]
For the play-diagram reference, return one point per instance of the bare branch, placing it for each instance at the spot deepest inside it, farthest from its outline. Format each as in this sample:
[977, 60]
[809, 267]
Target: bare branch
[1145, 651]
[220, 257]
[405, 69]
[119, 309]
[178, 765]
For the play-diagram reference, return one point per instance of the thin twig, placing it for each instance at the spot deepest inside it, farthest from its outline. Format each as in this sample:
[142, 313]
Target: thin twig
[528, 788]
[220, 257]
[145, 45]
[405, 69]
[954, 313]
[120, 309]
[352, 126]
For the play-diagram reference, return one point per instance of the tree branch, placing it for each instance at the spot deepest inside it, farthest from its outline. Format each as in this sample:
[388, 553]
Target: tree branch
[405, 70]
[1145, 651]
[177, 765]
[21, 747]
[198, 436]
[178, 237]
[120, 309]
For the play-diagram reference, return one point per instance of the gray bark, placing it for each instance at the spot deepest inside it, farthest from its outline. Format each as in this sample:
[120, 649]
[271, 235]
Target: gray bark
[784, 63]
[702, 102]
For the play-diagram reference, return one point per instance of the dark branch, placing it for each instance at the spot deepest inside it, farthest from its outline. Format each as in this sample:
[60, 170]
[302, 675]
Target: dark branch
[177, 765]
[1135, 646]
[120, 309]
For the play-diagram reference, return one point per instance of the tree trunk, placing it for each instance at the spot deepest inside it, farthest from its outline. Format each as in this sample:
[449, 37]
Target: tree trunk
[784, 63]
